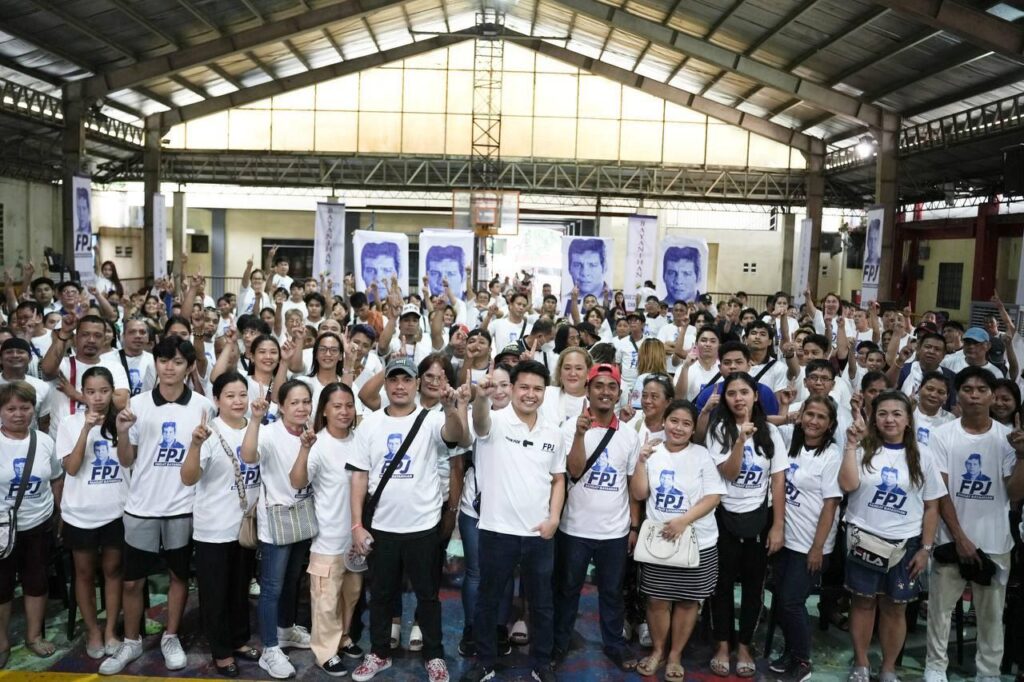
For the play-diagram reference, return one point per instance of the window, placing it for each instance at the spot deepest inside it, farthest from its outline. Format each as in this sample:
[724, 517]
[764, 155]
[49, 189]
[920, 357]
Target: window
[750, 268]
[299, 253]
[951, 277]
[824, 270]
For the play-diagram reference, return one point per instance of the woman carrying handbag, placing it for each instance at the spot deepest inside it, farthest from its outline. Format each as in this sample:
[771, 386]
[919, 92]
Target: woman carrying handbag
[682, 487]
[227, 490]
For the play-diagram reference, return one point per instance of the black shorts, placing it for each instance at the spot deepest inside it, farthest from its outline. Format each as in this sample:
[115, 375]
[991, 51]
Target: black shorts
[28, 562]
[156, 534]
[109, 535]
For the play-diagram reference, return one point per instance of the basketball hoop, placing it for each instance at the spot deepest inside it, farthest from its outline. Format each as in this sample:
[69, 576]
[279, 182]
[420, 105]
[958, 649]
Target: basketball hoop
[488, 213]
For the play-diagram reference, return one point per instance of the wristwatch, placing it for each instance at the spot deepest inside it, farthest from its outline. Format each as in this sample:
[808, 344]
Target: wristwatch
[928, 548]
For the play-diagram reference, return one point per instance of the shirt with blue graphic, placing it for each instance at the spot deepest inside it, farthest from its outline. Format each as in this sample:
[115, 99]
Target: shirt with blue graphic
[679, 480]
[37, 505]
[216, 510]
[747, 492]
[976, 467]
[810, 480]
[597, 506]
[96, 495]
[925, 425]
[887, 503]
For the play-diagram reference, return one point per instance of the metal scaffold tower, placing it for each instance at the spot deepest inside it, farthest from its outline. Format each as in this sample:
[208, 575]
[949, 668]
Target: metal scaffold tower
[488, 62]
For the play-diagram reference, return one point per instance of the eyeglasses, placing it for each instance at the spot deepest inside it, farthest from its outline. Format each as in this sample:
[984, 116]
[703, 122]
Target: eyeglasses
[330, 350]
[819, 378]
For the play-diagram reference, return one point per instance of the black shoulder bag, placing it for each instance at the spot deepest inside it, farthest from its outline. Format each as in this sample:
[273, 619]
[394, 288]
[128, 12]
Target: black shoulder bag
[9, 524]
[764, 370]
[370, 506]
[597, 453]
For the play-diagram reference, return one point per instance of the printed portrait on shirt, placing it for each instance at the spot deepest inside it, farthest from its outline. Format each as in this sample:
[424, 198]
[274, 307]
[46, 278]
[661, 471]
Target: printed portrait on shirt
[394, 442]
[104, 467]
[974, 484]
[751, 474]
[34, 482]
[792, 492]
[602, 476]
[682, 269]
[378, 257]
[667, 497]
[444, 256]
[889, 496]
[135, 380]
[169, 451]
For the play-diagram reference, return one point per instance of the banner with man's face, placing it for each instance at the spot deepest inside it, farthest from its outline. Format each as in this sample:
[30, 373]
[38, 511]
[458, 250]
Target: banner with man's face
[586, 266]
[379, 256]
[682, 268]
[444, 257]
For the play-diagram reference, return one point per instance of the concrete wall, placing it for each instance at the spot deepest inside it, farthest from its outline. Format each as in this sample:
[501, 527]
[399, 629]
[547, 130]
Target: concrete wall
[31, 222]
[946, 251]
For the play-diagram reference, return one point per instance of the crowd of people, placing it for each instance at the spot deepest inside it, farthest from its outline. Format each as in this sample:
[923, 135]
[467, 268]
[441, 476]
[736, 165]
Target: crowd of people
[680, 447]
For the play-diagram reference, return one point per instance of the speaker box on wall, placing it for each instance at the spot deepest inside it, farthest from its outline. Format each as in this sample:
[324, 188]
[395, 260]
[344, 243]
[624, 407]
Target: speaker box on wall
[1013, 169]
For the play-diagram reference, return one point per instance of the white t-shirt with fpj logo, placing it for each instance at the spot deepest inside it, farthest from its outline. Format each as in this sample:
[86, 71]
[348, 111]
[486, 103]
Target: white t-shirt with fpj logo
[747, 492]
[217, 511]
[810, 480]
[977, 465]
[924, 426]
[37, 504]
[96, 495]
[887, 503]
[597, 506]
[679, 480]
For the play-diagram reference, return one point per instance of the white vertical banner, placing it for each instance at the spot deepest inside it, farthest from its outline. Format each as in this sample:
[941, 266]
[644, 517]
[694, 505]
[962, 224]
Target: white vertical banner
[802, 262]
[329, 244]
[444, 256]
[379, 256]
[872, 255]
[641, 248]
[81, 219]
[587, 266]
[159, 236]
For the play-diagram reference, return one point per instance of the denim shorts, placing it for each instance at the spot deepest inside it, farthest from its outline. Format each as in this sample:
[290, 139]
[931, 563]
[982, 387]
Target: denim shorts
[895, 584]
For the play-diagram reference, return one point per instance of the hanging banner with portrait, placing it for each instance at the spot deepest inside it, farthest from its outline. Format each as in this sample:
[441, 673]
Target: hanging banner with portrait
[377, 257]
[872, 255]
[81, 219]
[641, 249]
[682, 268]
[802, 262]
[586, 266]
[329, 244]
[445, 255]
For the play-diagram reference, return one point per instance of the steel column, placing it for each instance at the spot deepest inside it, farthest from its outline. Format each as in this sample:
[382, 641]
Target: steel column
[886, 195]
[815, 182]
[151, 186]
[73, 151]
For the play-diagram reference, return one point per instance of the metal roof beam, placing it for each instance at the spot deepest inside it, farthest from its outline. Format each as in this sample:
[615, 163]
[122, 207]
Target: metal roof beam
[898, 48]
[142, 21]
[254, 11]
[228, 78]
[975, 26]
[689, 100]
[1011, 78]
[83, 28]
[202, 18]
[298, 55]
[301, 80]
[813, 93]
[189, 85]
[242, 41]
[720, 21]
[959, 57]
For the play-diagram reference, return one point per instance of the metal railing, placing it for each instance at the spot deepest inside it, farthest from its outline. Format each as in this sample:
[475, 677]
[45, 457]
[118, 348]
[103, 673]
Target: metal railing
[982, 121]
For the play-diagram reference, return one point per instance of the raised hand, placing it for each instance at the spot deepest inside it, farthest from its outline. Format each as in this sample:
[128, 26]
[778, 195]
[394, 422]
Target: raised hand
[713, 399]
[857, 429]
[1016, 437]
[449, 398]
[248, 262]
[647, 449]
[201, 432]
[307, 438]
[584, 421]
[125, 420]
[92, 419]
[259, 408]
[68, 324]
[487, 386]
[747, 430]
[288, 350]
[529, 355]
[29, 269]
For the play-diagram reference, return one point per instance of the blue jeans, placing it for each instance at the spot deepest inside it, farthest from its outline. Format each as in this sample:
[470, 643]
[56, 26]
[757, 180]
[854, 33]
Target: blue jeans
[280, 572]
[500, 554]
[793, 584]
[572, 556]
[470, 534]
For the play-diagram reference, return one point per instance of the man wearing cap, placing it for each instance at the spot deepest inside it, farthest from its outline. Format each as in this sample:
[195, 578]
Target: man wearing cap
[982, 465]
[974, 354]
[509, 355]
[600, 521]
[404, 534]
[411, 342]
[15, 356]
[520, 461]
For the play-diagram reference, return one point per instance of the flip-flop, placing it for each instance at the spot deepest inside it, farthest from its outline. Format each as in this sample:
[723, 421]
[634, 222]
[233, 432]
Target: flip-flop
[649, 666]
[41, 648]
[674, 673]
[720, 667]
[745, 669]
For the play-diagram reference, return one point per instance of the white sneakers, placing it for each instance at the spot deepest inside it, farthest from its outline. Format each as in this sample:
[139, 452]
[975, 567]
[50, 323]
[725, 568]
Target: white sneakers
[437, 670]
[127, 652]
[174, 655]
[276, 663]
[295, 637]
[643, 635]
[936, 676]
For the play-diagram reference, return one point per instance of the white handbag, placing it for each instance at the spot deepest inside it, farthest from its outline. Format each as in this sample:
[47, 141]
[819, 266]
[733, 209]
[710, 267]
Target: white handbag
[653, 548]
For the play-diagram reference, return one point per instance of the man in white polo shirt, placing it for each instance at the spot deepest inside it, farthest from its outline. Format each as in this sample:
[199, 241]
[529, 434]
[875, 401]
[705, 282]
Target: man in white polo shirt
[982, 463]
[520, 462]
[600, 522]
[973, 354]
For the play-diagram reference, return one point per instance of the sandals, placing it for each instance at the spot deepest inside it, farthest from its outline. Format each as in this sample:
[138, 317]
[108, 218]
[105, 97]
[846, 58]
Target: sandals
[649, 665]
[674, 673]
[720, 667]
[396, 633]
[42, 648]
[745, 669]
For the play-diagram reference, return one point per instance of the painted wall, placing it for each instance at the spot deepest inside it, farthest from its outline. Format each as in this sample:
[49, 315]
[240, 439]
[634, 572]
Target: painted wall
[946, 251]
[31, 222]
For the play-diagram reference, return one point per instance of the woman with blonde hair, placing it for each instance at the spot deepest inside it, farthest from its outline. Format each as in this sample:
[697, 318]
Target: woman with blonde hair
[650, 360]
[564, 398]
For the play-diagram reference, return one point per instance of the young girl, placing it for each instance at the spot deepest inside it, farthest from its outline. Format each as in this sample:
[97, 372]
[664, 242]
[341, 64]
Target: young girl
[812, 498]
[894, 488]
[564, 400]
[275, 449]
[92, 505]
[748, 452]
[223, 482]
[682, 487]
[931, 396]
[334, 590]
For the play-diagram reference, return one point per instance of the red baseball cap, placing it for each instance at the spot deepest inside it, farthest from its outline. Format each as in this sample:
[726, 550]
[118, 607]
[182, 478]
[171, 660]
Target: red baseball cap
[604, 368]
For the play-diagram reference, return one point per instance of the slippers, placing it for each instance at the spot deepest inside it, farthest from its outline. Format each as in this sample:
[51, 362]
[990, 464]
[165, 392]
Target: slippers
[720, 667]
[648, 666]
[41, 648]
[626, 664]
[745, 669]
[674, 673]
[520, 635]
[5, 655]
